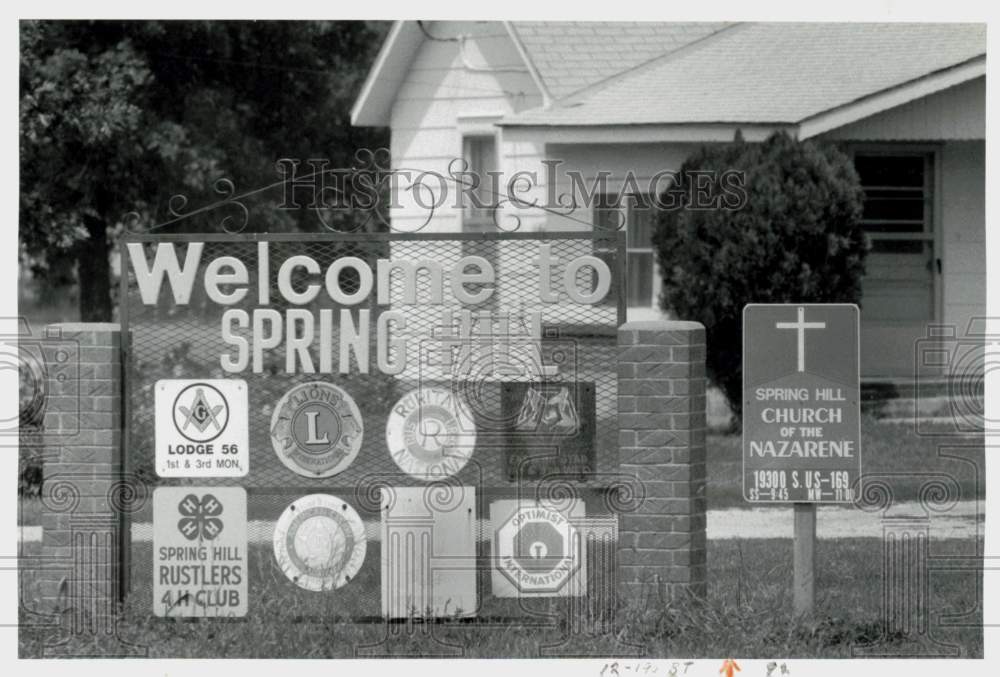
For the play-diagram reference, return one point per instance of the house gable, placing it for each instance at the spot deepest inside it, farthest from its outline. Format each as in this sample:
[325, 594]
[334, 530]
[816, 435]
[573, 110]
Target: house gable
[956, 113]
[474, 61]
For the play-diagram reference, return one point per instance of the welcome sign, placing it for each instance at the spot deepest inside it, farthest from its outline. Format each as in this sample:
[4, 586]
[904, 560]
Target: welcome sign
[343, 380]
[305, 337]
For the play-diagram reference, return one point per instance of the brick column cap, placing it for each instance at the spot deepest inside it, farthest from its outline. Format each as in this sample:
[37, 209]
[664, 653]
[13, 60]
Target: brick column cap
[661, 325]
[77, 327]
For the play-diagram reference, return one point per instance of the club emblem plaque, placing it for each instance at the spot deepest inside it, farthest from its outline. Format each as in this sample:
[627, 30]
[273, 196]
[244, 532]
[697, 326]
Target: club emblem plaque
[319, 542]
[202, 428]
[430, 433]
[316, 429]
[538, 551]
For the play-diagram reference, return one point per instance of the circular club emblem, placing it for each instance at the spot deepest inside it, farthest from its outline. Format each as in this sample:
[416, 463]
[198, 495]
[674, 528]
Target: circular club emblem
[429, 433]
[316, 429]
[319, 542]
[536, 550]
[201, 412]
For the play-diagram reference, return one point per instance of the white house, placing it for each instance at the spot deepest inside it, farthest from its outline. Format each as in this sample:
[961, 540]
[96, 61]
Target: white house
[906, 100]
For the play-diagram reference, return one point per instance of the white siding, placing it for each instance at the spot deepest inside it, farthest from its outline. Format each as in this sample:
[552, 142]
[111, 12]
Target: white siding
[963, 231]
[438, 92]
[442, 97]
[955, 113]
[642, 160]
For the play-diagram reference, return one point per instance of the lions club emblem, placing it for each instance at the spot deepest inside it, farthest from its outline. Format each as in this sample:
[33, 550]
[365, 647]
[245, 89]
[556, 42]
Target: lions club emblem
[430, 434]
[316, 429]
[319, 542]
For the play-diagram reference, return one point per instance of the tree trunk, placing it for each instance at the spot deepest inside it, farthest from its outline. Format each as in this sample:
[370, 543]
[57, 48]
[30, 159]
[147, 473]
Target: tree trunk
[94, 273]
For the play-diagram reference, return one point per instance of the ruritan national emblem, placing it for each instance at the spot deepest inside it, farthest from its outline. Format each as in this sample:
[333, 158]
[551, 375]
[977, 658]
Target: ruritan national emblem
[319, 542]
[316, 429]
[430, 433]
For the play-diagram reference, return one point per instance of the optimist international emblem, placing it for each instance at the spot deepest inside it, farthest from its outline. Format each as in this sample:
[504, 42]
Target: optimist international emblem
[319, 542]
[201, 412]
[537, 549]
[316, 429]
[429, 433]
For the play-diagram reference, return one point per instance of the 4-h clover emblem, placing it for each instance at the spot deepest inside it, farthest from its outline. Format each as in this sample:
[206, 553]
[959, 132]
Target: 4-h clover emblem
[200, 517]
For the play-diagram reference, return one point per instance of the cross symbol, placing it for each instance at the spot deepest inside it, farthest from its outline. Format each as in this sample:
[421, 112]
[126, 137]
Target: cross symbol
[800, 326]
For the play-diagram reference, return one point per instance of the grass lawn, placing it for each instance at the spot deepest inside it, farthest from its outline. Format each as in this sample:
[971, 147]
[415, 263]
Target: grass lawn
[746, 615]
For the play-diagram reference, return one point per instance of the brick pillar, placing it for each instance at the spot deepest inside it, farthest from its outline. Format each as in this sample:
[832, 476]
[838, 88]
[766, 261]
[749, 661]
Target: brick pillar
[82, 483]
[661, 423]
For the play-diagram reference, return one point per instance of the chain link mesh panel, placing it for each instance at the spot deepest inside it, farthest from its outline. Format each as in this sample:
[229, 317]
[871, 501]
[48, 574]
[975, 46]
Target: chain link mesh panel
[168, 340]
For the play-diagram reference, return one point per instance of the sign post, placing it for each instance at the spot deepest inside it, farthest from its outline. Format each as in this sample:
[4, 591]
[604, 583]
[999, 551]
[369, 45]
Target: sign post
[801, 417]
[803, 563]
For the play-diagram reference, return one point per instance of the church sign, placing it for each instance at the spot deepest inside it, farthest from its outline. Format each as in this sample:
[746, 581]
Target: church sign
[801, 411]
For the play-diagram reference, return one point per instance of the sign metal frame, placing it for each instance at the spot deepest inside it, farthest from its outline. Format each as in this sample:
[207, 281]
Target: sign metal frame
[615, 239]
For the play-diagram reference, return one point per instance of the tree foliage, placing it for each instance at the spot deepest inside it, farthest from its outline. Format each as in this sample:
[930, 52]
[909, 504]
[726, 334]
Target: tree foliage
[795, 239]
[117, 117]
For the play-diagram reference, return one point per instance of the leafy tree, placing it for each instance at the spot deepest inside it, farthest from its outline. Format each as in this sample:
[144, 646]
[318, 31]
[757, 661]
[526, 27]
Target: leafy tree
[794, 237]
[117, 117]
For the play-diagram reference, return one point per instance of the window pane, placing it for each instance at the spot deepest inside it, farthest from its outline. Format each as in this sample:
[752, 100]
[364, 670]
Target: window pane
[888, 170]
[895, 195]
[898, 285]
[640, 227]
[607, 213]
[906, 208]
[480, 154]
[640, 279]
[898, 246]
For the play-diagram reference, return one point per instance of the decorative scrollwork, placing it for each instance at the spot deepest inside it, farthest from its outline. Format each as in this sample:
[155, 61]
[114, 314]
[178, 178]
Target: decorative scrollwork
[939, 494]
[128, 495]
[369, 494]
[132, 222]
[625, 494]
[353, 198]
[378, 159]
[966, 388]
[557, 492]
[875, 495]
[443, 495]
[227, 189]
[33, 388]
[497, 214]
[61, 495]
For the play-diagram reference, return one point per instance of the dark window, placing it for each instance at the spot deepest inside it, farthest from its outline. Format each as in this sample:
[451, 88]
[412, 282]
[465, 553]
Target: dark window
[898, 218]
[638, 216]
[480, 154]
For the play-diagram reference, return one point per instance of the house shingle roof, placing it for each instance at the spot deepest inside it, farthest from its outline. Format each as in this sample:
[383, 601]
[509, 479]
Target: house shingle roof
[751, 73]
[573, 55]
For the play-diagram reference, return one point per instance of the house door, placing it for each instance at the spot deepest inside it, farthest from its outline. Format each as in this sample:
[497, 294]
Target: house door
[898, 291]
